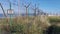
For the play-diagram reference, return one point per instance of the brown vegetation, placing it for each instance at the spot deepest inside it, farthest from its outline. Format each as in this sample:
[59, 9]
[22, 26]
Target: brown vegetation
[31, 25]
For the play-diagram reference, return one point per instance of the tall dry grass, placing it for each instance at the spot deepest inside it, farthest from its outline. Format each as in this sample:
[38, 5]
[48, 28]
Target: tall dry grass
[31, 25]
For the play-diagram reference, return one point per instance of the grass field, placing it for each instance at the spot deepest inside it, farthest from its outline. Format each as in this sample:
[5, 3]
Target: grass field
[30, 25]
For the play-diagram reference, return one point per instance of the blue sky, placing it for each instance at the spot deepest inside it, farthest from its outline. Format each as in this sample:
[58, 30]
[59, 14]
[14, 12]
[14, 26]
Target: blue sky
[49, 6]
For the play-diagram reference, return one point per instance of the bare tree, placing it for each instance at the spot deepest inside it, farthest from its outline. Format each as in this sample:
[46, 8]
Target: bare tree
[35, 10]
[27, 6]
[38, 11]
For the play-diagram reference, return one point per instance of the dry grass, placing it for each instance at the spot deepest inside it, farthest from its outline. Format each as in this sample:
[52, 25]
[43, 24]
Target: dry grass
[32, 25]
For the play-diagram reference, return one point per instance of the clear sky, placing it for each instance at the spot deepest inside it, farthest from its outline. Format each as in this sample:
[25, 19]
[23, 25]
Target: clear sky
[49, 6]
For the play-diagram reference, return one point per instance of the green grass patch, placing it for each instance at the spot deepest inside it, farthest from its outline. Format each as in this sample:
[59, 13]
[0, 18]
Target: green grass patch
[54, 20]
